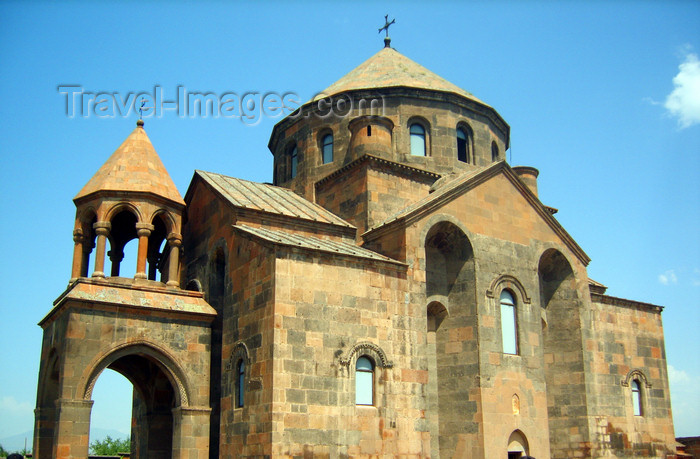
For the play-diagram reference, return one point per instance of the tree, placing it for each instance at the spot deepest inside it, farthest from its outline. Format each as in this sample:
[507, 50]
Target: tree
[6, 453]
[110, 446]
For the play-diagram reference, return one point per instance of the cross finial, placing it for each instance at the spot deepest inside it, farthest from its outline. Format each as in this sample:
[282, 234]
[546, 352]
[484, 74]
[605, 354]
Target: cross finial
[143, 107]
[387, 40]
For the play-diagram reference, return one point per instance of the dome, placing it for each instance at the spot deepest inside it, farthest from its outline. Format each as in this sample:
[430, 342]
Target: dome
[388, 68]
[135, 167]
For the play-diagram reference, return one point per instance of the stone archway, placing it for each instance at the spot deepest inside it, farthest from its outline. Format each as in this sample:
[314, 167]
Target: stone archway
[158, 390]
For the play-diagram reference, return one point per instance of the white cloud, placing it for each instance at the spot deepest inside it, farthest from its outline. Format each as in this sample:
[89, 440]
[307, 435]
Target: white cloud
[668, 277]
[677, 376]
[684, 101]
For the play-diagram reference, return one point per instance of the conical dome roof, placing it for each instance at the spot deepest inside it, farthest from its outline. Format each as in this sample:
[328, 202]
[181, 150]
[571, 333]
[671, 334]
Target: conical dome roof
[134, 166]
[389, 68]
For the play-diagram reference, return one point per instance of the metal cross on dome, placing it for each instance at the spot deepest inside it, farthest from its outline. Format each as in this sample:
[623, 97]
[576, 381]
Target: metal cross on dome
[143, 104]
[386, 25]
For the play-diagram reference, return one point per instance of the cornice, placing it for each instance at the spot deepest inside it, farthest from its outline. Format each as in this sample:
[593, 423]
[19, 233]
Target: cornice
[375, 159]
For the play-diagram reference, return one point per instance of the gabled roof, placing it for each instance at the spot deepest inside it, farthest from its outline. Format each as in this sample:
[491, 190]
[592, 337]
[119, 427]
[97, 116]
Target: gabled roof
[389, 68]
[271, 199]
[311, 243]
[454, 187]
[134, 166]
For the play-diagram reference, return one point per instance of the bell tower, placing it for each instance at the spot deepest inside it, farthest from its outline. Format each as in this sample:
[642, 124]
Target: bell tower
[130, 197]
[146, 328]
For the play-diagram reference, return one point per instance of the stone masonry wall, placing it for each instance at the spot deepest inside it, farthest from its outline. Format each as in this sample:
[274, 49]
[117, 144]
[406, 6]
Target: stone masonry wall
[508, 238]
[90, 333]
[439, 112]
[628, 337]
[248, 327]
[324, 309]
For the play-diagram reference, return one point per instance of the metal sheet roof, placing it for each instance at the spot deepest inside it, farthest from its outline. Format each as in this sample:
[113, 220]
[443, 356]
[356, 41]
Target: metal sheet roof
[312, 243]
[269, 198]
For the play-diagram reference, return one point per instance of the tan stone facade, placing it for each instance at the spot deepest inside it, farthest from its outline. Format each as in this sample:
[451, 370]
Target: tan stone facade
[375, 302]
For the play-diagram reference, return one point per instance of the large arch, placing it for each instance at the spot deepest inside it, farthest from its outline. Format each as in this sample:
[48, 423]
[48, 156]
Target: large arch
[563, 351]
[159, 387]
[162, 358]
[450, 285]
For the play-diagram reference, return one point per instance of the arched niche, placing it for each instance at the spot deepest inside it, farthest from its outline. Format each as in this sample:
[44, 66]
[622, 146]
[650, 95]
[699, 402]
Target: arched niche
[436, 313]
[518, 445]
[449, 260]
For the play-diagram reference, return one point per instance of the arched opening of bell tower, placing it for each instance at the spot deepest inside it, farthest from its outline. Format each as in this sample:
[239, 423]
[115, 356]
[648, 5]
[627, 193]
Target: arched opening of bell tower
[155, 395]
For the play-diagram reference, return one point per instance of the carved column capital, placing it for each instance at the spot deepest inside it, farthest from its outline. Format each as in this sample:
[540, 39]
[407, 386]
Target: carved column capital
[102, 228]
[144, 229]
[174, 239]
[78, 236]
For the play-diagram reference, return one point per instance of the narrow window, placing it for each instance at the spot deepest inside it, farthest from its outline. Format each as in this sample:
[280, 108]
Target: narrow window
[327, 148]
[364, 382]
[369, 131]
[240, 383]
[294, 162]
[508, 324]
[636, 397]
[494, 151]
[462, 145]
[417, 140]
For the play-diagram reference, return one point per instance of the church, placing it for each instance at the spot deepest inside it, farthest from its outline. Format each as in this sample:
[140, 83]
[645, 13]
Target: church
[398, 290]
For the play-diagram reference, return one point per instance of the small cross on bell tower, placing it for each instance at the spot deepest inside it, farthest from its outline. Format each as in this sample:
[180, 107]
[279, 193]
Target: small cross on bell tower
[387, 40]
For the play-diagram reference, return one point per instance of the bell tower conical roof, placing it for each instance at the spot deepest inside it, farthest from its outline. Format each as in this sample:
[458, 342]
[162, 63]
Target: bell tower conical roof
[133, 167]
[389, 68]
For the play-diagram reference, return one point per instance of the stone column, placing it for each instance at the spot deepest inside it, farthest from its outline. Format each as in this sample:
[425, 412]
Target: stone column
[191, 432]
[88, 245]
[116, 258]
[102, 231]
[72, 429]
[174, 241]
[144, 231]
[153, 260]
[77, 268]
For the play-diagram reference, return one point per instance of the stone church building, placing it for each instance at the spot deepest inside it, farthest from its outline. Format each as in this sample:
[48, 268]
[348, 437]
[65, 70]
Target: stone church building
[399, 290]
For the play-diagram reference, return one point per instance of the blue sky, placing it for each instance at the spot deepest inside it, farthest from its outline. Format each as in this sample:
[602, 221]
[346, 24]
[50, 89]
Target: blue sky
[602, 97]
